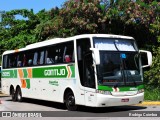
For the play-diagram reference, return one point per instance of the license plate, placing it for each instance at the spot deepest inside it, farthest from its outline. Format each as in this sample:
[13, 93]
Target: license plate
[125, 100]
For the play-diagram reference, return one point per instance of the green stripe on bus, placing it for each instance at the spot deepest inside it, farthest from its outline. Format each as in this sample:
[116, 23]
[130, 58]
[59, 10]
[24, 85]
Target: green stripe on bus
[131, 88]
[107, 88]
[50, 72]
[45, 72]
[28, 83]
[15, 73]
[25, 74]
[73, 71]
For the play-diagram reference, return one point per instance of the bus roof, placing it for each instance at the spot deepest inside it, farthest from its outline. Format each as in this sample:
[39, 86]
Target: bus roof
[60, 40]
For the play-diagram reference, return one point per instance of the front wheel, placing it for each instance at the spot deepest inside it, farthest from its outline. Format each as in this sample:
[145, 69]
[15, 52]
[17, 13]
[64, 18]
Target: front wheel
[19, 95]
[70, 102]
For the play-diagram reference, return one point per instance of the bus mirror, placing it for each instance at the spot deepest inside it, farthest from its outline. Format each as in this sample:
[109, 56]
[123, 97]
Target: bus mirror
[146, 55]
[96, 55]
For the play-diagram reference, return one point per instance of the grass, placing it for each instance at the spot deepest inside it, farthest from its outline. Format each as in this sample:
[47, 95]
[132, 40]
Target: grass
[152, 95]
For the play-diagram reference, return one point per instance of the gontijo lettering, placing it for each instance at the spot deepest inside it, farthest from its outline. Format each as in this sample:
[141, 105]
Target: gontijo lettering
[54, 72]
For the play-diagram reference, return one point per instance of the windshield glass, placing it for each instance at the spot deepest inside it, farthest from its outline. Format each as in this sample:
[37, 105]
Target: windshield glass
[111, 44]
[119, 62]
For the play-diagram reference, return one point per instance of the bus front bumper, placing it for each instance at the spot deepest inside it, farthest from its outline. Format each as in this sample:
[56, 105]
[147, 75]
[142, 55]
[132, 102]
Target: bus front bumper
[109, 100]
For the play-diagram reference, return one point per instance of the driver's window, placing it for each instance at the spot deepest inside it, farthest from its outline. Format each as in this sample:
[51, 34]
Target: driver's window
[85, 62]
[89, 71]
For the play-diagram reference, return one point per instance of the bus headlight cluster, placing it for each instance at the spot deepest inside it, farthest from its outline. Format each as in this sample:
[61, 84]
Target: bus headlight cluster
[140, 91]
[103, 92]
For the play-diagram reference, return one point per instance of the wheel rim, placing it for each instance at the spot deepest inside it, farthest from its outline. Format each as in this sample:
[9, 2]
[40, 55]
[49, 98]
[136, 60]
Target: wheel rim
[70, 102]
[19, 96]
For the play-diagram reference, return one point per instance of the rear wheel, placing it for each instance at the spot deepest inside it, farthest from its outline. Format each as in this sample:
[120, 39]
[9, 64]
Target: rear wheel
[70, 102]
[13, 94]
[18, 95]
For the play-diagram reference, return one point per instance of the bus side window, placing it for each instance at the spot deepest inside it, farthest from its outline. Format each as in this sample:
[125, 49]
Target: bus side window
[19, 63]
[68, 55]
[35, 58]
[67, 58]
[5, 61]
[30, 62]
[24, 60]
[30, 57]
[14, 61]
[41, 58]
[60, 53]
[9, 62]
[20, 60]
[49, 57]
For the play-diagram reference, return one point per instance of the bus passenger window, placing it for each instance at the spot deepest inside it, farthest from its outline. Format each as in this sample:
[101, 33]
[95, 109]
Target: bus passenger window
[41, 58]
[30, 62]
[50, 55]
[68, 55]
[49, 61]
[35, 59]
[56, 59]
[24, 60]
[67, 58]
[19, 63]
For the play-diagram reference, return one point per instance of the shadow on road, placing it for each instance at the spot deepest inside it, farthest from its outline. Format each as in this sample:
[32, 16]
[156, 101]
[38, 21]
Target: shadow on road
[83, 108]
[43, 103]
[111, 109]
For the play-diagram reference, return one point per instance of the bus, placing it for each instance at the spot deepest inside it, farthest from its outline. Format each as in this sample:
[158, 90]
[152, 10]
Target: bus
[96, 70]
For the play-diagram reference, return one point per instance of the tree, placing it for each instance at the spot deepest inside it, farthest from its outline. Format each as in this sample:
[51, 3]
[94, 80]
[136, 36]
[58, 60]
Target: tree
[15, 33]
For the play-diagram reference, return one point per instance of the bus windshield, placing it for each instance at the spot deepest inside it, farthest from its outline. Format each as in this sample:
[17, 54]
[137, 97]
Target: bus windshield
[119, 64]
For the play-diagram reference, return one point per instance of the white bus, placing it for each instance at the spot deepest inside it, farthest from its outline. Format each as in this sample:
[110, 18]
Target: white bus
[96, 70]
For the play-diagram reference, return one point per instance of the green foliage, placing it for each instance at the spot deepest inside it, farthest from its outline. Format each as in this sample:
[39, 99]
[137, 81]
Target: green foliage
[15, 33]
[80, 17]
[152, 94]
[152, 77]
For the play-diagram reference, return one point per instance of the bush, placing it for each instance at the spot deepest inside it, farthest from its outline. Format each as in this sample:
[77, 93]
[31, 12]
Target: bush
[152, 94]
[152, 77]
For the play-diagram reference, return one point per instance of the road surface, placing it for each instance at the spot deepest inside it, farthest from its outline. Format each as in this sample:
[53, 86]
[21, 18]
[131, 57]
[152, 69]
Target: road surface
[58, 110]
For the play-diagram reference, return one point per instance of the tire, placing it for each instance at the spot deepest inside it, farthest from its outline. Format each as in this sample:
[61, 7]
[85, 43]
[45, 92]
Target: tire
[13, 95]
[70, 102]
[18, 95]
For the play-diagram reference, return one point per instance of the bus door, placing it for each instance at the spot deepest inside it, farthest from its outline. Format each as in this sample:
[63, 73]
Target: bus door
[86, 71]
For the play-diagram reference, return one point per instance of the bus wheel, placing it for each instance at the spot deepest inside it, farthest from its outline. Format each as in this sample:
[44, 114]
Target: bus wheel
[18, 95]
[13, 95]
[70, 102]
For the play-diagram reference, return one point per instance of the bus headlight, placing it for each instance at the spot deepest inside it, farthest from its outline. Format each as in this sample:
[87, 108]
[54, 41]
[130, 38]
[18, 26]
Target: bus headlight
[140, 91]
[103, 92]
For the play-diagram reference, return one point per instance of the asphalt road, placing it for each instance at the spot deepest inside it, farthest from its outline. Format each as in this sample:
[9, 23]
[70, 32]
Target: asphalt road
[57, 110]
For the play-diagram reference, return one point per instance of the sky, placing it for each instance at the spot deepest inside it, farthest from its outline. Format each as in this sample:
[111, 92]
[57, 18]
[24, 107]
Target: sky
[36, 5]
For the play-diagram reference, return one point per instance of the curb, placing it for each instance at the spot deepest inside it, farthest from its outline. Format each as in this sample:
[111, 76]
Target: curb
[149, 103]
[3, 95]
